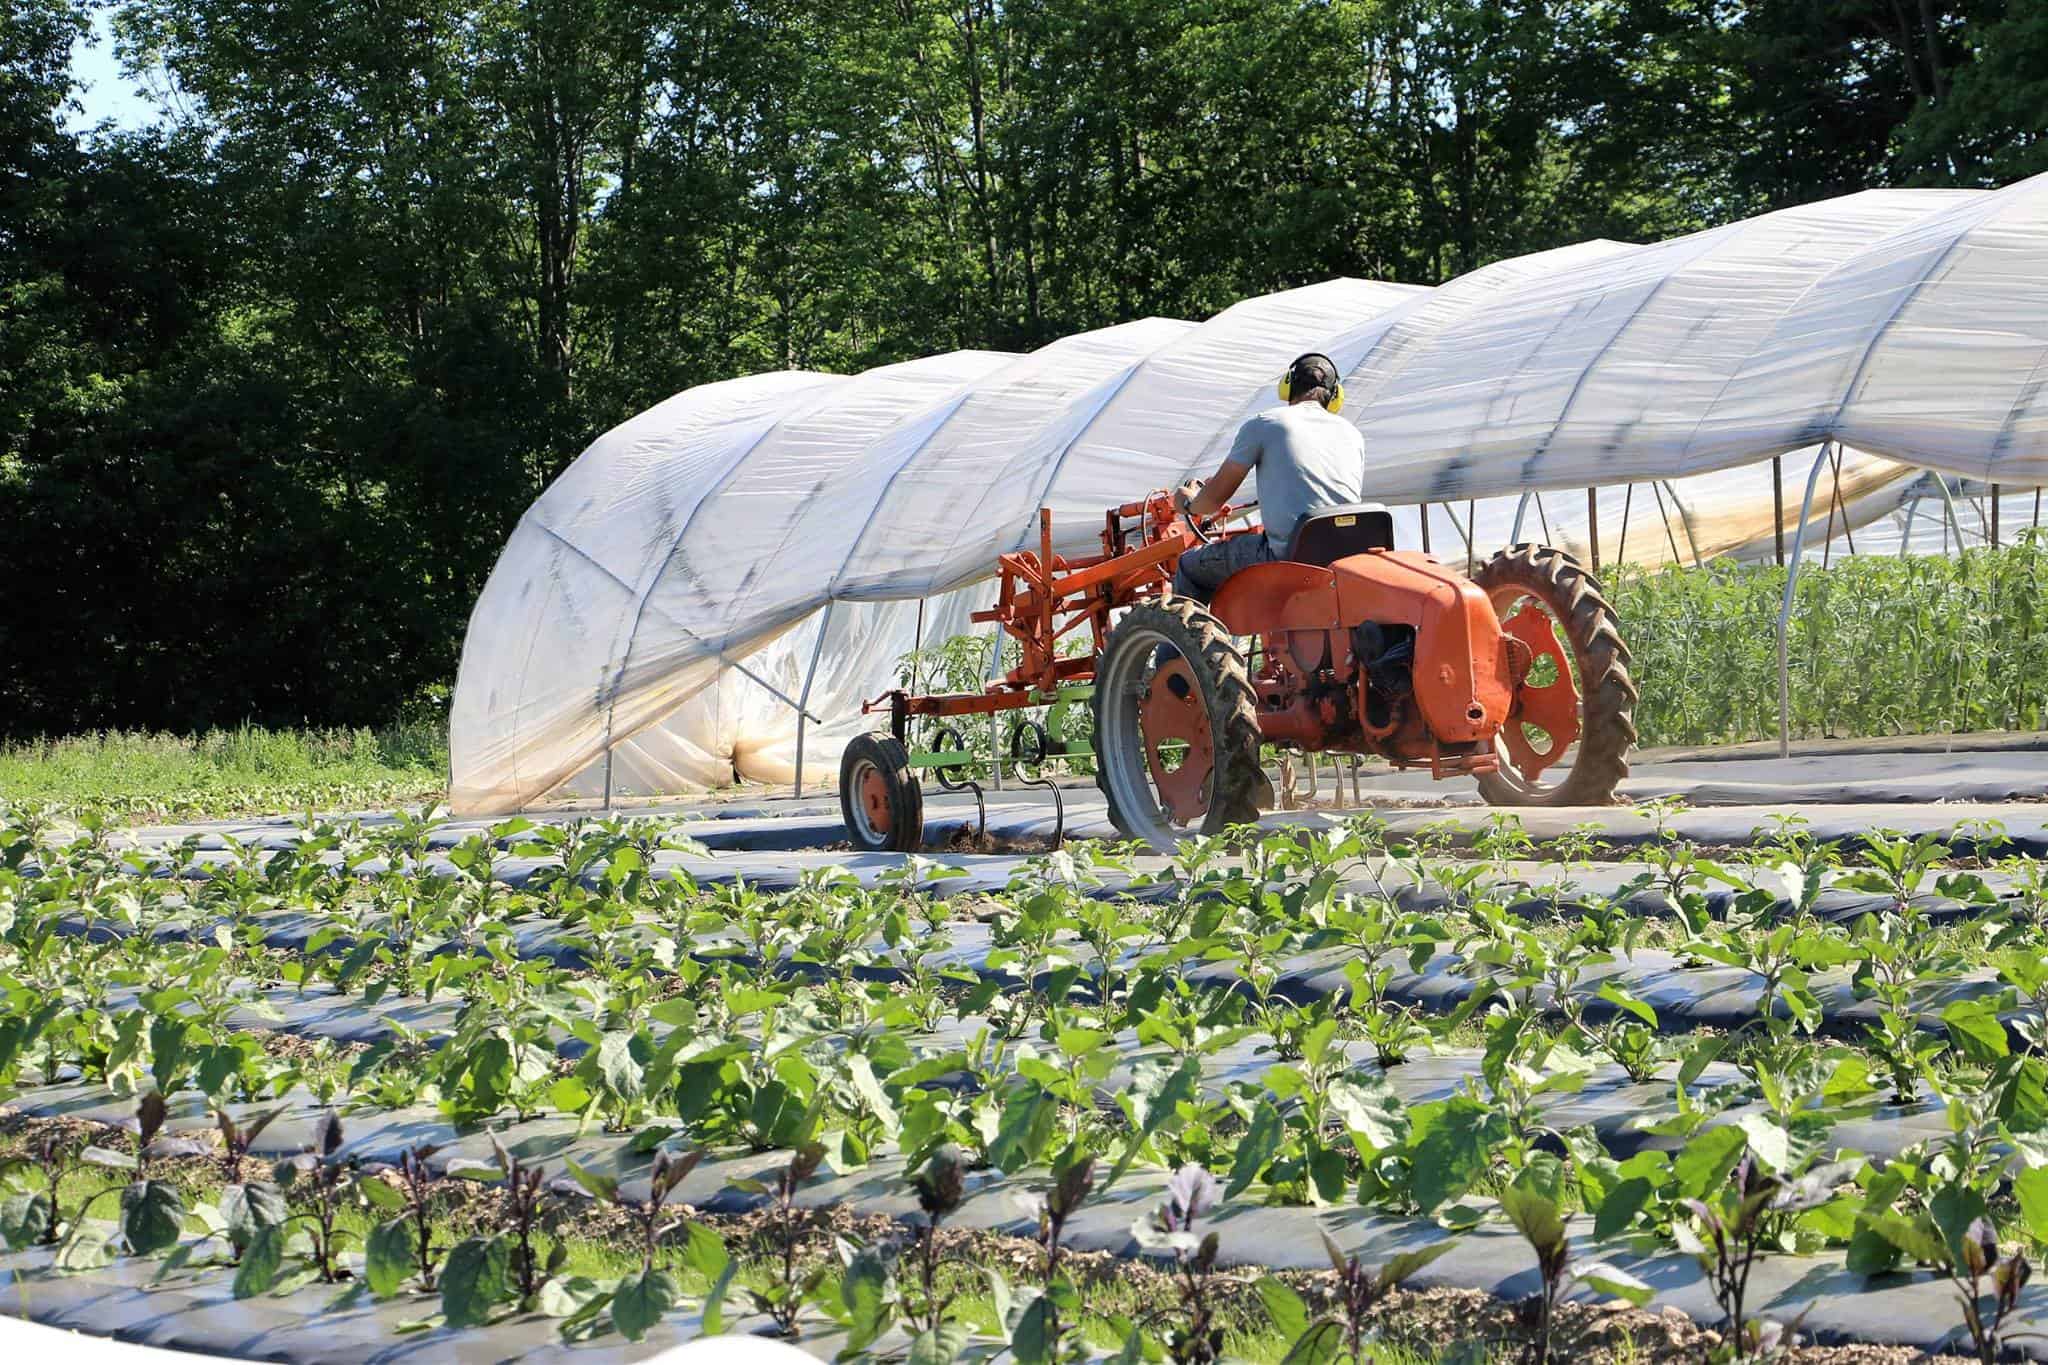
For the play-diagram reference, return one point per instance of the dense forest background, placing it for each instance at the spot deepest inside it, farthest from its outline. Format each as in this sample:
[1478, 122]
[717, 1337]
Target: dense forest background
[279, 372]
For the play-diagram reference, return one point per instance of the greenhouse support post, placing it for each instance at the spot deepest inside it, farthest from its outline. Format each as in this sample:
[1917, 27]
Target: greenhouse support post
[1778, 504]
[1785, 615]
[1425, 528]
[1593, 524]
[1522, 509]
[608, 777]
[1848, 531]
[1628, 495]
[803, 702]
[1994, 516]
[995, 729]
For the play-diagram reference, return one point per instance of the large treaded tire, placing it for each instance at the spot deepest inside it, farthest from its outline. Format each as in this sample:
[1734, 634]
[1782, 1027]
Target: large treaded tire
[1607, 694]
[900, 828]
[1224, 680]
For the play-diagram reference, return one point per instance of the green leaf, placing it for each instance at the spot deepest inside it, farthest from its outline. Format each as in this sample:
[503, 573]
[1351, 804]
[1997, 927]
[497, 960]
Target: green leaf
[640, 1301]
[1619, 1209]
[1284, 1307]
[712, 1315]
[261, 1260]
[1771, 1143]
[1699, 1056]
[1616, 1283]
[1398, 1268]
[1916, 1237]
[565, 1296]
[2023, 1102]
[863, 1292]
[2030, 1188]
[1031, 1343]
[23, 1219]
[1181, 1086]
[1954, 1208]
[940, 1346]
[152, 1216]
[86, 1248]
[475, 1280]
[1024, 1127]
[1623, 999]
[1452, 1142]
[1317, 1345]
[603, 1186]
[382, 1195]
[1975, 1030]
[387, 1257]
[1705, 1162]
[1371, 1112]
[1256, 1149]
[1535, 1216]
[616, 1066]
[247, 1207]
[704, 1251]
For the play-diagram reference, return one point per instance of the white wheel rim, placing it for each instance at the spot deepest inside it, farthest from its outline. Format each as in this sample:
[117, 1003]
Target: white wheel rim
[1120, 740]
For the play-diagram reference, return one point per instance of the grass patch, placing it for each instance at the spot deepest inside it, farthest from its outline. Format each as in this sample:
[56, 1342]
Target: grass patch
[138, 775]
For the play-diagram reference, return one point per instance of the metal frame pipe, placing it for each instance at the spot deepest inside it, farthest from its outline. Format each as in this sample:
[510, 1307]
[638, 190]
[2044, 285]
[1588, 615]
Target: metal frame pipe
[1948, 503]
[1685, 520]
[1785, 613]
[804, 701]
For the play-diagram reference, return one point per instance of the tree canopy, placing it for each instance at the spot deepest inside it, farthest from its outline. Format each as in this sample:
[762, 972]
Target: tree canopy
[279, 372]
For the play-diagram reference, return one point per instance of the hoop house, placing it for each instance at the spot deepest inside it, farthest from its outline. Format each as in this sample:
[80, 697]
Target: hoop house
[710, 589]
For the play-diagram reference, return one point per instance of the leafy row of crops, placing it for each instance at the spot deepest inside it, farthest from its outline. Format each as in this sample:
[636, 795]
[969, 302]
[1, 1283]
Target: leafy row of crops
[1096, 1036]
[1879, 645]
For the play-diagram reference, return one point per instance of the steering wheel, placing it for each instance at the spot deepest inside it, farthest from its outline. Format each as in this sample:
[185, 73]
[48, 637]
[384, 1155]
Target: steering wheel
[1195, 527]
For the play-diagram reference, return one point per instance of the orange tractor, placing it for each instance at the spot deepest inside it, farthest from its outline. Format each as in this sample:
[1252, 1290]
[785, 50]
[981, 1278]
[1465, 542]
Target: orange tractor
[1516, 675]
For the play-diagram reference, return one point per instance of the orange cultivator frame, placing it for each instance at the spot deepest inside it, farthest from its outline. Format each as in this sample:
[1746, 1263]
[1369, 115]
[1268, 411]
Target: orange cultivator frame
[1042, 598]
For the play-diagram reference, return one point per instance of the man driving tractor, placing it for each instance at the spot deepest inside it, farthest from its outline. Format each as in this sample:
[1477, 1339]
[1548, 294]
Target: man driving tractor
[1308, 458]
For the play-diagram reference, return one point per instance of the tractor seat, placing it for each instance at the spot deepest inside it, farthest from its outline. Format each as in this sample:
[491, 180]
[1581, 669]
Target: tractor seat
[1329, 534]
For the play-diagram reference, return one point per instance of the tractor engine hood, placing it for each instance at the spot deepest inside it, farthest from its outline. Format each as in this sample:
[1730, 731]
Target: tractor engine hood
[1461, 675]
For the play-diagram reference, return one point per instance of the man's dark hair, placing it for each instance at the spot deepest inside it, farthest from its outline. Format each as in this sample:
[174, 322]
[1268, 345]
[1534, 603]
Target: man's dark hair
[1312, 377]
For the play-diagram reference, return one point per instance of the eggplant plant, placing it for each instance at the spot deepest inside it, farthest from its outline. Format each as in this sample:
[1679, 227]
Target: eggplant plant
[1534, 1203]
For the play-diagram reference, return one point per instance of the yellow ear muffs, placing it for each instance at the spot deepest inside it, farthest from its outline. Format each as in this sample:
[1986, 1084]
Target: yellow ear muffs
[1285, 389]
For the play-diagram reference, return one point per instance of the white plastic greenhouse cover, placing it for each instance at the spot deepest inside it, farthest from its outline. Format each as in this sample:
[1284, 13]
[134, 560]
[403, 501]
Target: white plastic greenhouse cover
[756, 544]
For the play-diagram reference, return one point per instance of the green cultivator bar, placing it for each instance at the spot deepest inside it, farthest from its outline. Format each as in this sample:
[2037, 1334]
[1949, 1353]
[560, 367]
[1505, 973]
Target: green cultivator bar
[1033, 746]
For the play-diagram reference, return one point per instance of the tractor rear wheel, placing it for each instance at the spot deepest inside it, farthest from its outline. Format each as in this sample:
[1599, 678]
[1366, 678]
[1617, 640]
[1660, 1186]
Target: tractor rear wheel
[1576, 689]
[1176, 729]
[879, 797]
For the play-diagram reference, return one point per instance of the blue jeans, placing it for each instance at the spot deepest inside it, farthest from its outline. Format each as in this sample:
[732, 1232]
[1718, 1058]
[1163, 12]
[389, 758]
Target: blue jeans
[1203, 569]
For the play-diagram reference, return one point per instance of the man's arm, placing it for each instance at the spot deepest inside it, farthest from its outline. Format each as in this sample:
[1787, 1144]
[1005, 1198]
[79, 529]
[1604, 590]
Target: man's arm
[1207, 499]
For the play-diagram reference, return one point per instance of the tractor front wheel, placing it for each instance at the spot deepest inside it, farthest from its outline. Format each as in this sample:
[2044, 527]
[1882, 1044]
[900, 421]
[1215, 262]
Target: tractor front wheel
[880, 797]
[1176, 725]
[1567, 740]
